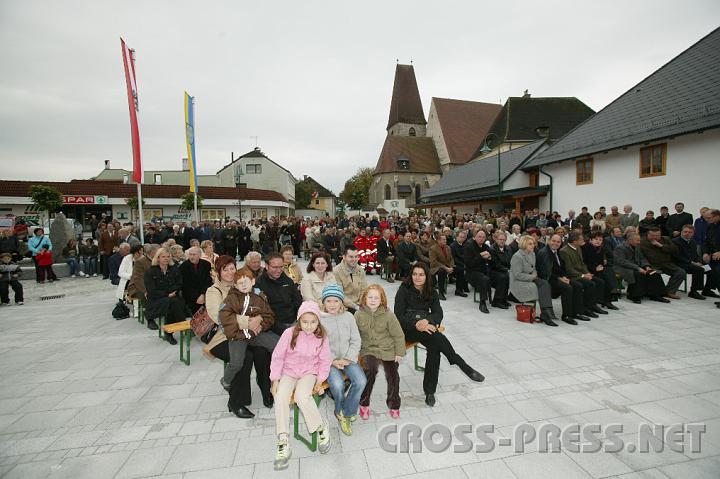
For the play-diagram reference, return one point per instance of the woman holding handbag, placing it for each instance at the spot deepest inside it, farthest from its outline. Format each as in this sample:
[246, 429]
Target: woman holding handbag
[525, 284]
[417, 307]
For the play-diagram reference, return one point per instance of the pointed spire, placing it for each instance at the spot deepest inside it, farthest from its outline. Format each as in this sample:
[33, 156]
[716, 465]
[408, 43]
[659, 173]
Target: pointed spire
[406, 106]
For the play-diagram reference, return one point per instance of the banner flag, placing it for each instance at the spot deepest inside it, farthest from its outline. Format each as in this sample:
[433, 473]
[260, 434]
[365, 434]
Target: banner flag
[129, 62]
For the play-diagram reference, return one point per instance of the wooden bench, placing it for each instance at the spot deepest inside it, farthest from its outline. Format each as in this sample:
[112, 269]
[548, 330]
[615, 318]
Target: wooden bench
[417, 346]
[186, 334]
[310, 442]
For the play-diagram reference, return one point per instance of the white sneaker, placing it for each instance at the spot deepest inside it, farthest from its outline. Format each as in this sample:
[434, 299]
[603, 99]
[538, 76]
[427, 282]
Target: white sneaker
[94, 274]
[19, 303]
[81, 274]
[283, 453]
[323, 439]
[72, 275]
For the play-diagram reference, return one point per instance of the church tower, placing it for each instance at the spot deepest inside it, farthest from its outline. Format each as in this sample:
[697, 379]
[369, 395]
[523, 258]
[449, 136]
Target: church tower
[406, 111]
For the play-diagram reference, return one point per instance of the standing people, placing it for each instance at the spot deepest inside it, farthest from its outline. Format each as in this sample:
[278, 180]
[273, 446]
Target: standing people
[10, 274]
[457, 247]
[41, 245]
[108, 244]
[677, 220]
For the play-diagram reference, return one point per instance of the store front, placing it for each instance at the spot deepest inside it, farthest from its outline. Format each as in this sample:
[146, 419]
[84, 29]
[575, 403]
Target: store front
[82, 207]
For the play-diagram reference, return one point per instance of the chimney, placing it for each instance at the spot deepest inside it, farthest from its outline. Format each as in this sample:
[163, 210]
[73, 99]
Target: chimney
[526, 94]
[232, 156]
[185, 165]
[107, 164]
[304, 177]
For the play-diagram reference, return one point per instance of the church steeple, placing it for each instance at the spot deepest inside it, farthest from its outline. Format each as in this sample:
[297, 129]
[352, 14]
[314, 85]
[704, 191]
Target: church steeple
[406, 111]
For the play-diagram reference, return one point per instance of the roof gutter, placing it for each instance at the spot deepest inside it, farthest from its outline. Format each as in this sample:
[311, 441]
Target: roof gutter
[550, 193]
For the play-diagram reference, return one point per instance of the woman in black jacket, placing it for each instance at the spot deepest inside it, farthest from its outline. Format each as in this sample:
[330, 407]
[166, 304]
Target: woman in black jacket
[163, 283]
[417, 307]
[196, 279]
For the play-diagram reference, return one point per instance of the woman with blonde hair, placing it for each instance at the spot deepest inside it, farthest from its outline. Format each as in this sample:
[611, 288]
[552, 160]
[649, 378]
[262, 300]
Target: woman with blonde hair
[525, 284]
[178, 253]
[163, 283]
[290, 266]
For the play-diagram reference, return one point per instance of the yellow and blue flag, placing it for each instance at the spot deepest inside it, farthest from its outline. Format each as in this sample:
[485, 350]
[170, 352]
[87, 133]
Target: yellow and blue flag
[190, 140]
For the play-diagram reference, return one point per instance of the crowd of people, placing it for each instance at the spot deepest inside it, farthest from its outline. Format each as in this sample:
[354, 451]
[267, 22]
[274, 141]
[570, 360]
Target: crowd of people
[299, 329]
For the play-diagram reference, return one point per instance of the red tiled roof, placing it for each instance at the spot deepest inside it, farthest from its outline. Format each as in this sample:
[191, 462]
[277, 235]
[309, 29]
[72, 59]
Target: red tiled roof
[117, 189]
[464, 125]
[419, 150]
[406, 106]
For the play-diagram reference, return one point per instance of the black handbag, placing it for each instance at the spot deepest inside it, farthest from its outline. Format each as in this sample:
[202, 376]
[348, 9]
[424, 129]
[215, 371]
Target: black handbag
[419, 315]
[120, 311]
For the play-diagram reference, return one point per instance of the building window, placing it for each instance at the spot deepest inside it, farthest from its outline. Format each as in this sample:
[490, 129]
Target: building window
[258, 213]
[317, 202]
[403, 163]
[388, 192]
[412, 131]
[255, 169]
[417, 194]
[653, 160]
[126, 178]
[158, 179]
[212, 214]
[584, 171]
[534, 179]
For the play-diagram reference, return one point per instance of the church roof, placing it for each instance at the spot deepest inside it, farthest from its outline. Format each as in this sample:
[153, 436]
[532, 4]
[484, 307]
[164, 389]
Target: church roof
[420, 151]
[681, 97]
[406, 106]
[464, 125]
[526, 119]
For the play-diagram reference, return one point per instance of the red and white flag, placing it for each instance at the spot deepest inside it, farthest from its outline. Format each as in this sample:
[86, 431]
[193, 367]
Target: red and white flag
[129, 62]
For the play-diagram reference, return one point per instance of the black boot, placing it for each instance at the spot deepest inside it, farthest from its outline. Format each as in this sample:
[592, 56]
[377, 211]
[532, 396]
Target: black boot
[170, 339]
[430, 399]
[151, 324]
[460, 293]
[269, 401]
[470, 372]
[442, 295]
[242, 412]
[483, 307]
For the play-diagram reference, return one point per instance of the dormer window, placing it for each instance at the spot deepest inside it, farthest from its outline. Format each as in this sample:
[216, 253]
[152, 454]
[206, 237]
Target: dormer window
[403, 163]
[543, 131]
[412, 131]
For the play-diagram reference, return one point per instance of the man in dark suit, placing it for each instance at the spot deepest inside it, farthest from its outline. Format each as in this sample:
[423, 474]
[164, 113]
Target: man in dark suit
[386, 254]
[711, 250]
[635, 269]
[457, 248]
[611, 242]
[551, 267]
[477, 267]
[659, 251]
[688, 259]
[677, 220]
[576, 270]
[406, 254]
[500, 256]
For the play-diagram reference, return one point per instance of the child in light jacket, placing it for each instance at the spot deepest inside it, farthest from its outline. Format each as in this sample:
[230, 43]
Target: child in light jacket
[344, 339]
[383, 342]
[300, 363]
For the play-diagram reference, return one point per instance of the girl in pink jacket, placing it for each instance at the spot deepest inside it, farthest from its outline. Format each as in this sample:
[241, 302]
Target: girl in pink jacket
[300, 363]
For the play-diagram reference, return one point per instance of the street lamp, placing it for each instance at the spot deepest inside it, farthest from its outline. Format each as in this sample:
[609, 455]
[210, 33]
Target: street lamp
[238, 181]
[484, 150]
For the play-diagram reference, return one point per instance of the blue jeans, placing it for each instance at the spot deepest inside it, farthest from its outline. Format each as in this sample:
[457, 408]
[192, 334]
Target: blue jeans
[348, 405]
[90, 265]
[74, 265]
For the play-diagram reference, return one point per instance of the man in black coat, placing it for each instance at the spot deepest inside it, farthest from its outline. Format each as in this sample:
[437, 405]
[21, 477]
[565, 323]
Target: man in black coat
[551, 267]
[406, 254]
[386, 254]
[500, 256]
[711, 251]
[196, 279]
[457, 249]
[677, 220]
[282, 294]
[688, 259]
[611, 242]
[477, 267]
[230, 239]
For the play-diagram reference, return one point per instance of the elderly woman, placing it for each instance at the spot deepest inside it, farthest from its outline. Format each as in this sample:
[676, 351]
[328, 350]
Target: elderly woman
[319, 275]
[163, 283]
[126, 269]
[208, 251]
[196, 279]
[525, 284]
[178, 253]
[598, 223]
[290, 267]
[253, 261]
[240, 395]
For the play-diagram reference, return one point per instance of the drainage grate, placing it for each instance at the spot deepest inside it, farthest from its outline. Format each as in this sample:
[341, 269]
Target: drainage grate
[54, 296]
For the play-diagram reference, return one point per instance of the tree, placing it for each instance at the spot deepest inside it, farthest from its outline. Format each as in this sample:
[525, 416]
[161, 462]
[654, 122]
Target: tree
[303, 194]
[133, 204]
[340, 207]
[188, 201]
[356, 193]
[46, 198]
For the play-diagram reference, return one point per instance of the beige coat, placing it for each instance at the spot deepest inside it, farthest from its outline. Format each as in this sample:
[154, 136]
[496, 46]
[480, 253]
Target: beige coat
[311, 286]
[439, 258]
[353, 282]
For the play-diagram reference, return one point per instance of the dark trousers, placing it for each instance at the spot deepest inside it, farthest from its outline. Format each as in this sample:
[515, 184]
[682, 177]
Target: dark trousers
[500, 280]
[176, 311]
[460, 281]
[591, 295]
[650, 285]
[5, 291]
[571, 297]
[603, 289]
[441, 281]
[218, 247]
[370, 367]
[698, 277]
[230, 249]
[713, 280]
[240, 392]
[41, 271]
[435, 344]
[480, 282]
[677, 276]
[104, 269]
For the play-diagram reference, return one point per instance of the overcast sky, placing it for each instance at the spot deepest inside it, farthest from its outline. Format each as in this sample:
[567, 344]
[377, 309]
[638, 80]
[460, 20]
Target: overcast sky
[311, 79]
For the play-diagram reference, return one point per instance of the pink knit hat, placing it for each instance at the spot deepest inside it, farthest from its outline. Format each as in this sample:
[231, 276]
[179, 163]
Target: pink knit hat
[309, 307]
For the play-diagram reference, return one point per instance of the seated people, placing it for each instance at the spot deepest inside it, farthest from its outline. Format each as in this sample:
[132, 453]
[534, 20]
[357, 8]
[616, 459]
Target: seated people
[423, 244]
[196, 279]
[687, 258]
[386, 254]
[711, 251]
[634, 268]
[611, 242]
[458, 251]
[551, 267]
[163, 282]
[477, 267]
[136, 286]
[526, 285]
[406, 254]
[253, 261]
[319, 275]
[284, 300]
[659, 251]
[500, 257]
[290, 266]
[441, 264]
[126, 270]
[576, 270]
[114, 261]
[351, 277]
[10, 273]
[594, 256]
[417, 307]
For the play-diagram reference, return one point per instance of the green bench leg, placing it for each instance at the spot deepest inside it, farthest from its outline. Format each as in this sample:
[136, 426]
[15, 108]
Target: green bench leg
[185, 337]
[476, 295]
[312, 442]
[141, 312]
[417, 362]
[160, 323]
[685, 286]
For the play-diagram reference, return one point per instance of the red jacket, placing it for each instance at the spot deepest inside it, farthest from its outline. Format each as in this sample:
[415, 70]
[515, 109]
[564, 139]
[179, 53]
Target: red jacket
[44, 258]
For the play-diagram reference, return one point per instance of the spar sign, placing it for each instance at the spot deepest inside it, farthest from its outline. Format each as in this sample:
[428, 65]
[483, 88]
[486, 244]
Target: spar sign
[85, 199]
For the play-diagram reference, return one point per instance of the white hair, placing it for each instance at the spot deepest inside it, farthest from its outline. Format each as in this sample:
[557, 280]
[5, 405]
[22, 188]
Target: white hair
[251, 255]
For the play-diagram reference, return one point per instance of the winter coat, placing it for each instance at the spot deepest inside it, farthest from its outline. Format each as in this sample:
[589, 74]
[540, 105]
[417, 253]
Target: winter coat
[659, 257]
[574, 264]
[137, 279]
[195, 281]
[380, 333]
[353, 282]
[312, 286]
[500, 260]
[406, 254]
[311, 355]
[410, 307]
[108, 242]
[458, 252]
[440, 257]
[473, 261]
[522, 267]
[159, 285]
[12, 272]
[231, 313]
[343, 334]
[687, 252]
[9, 244]
[37, 243]
[284, 299]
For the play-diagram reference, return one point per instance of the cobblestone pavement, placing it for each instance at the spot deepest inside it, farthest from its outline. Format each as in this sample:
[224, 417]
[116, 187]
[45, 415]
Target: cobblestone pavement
[83, 395]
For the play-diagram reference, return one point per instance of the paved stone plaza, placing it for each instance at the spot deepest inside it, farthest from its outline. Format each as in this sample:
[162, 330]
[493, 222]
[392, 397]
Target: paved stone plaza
[83, 395]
